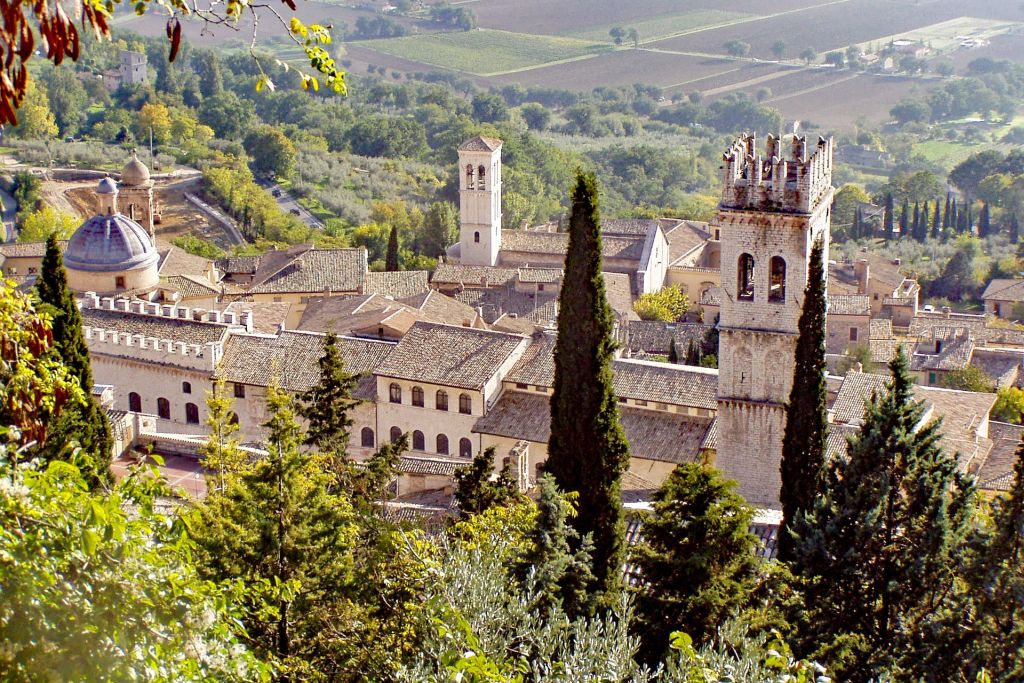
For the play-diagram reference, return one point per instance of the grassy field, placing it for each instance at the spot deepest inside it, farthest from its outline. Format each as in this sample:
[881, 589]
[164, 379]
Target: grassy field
[656, 28]
[486, 52]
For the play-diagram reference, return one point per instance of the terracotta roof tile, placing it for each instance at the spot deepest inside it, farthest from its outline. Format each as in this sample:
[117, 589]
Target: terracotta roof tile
[397, 285]
[291, 360]
[450, 355]
[849, 304]
[480, 144]
[314, 270]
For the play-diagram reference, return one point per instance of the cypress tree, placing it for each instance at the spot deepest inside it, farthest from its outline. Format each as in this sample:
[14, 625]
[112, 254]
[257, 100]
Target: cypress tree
[915, 229]
[879, 553]
[984, 224]
[693, 353]
[391, 261]
[587, 450]
[946, 224]
[905, 219]
[999, 586]
[697, 558]
[890, 209]
[1014, 229]
[803, 442]
[936, 221]
[85, 423]
[969, 222]
[673, 353]
[327, 403]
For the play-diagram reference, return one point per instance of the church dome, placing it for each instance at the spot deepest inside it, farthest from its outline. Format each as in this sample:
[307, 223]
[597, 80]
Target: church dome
[110, 243]
[134, 172]
[107, 186]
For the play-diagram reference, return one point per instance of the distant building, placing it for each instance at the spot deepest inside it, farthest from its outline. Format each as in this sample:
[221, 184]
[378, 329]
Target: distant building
[132, 70]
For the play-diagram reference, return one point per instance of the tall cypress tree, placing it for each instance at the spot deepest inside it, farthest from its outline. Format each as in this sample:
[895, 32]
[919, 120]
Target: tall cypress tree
[905, 219]
[915, 229]
[936, 221]
[391, 261]
[85, 423]
[1014, 229]
[984, 221]
[880, 552]
[890, 210]
[588, 451]
[946, 224]
[673, 352]
[803, 442]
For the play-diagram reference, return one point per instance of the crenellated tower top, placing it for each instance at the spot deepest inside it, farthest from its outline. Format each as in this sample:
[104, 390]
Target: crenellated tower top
[794, 184]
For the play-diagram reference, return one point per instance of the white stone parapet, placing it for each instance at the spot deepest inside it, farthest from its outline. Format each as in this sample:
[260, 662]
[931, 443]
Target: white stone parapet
[797, 184]
[172, 311]
[150, 349]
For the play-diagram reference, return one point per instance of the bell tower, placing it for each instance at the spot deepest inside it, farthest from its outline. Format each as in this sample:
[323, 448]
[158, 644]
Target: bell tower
[773, 209]
[480, 201]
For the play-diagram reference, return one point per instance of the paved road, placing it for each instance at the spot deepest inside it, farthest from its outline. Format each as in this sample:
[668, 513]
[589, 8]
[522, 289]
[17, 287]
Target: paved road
[10, 209]
[288, 204]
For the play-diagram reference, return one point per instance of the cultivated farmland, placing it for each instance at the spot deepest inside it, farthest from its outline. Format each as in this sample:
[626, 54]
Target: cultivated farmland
[486, 51]
[662, 27]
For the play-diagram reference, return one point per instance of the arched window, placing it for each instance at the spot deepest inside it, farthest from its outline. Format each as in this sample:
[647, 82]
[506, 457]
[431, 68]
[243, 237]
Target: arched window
[396, 434]
[134, 402]
[777, 288]
[745, 278]
[366, 438]
[418, 442]
[441, 400]
[465, 448]
[186, 387]
[417, 396]
[395, 392]
[191, 413]
[233, 417]
[476, 236]
[480, 185]
[470, 182]
[465, 404]
[442, 444]
[163, 408]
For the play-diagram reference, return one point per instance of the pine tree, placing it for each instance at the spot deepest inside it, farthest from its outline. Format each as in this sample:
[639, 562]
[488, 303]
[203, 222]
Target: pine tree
[880, 551]
[279, 522]
[587, 450]
[475, 492]
[391, 261]
[327, 403]
[890, 210]
[556, 566]
[84, 423]
[803, 442]
[936, 221]
[697, 558]
[999, 586]
[984, 221]
[1014, 229]
[673, 353]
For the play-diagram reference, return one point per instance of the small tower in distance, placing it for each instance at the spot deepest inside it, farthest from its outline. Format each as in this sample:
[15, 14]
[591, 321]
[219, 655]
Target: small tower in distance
[774, 207]
[480, 201]
[137, 194]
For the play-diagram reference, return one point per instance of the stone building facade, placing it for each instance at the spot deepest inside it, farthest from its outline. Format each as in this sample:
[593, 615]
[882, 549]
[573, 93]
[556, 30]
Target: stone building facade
[773, 209]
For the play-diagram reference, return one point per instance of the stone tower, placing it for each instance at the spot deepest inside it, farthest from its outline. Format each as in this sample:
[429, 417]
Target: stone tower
[480, 201]
[773, 208]
[137, 194]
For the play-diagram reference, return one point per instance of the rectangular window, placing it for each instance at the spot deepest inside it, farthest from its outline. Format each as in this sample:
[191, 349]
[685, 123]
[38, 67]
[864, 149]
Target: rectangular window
[932, 378]
[853, 334]
[239, 390]
[119, 282]
[520, 385]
